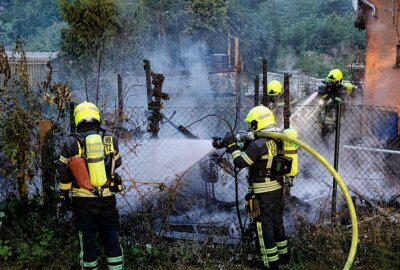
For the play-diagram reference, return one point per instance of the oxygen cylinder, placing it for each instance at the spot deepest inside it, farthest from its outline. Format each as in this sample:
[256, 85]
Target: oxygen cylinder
[290, 150]
[95, 160]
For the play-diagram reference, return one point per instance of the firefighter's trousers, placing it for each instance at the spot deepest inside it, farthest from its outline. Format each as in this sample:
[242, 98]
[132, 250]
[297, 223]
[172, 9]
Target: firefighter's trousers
[271, 235]
[98, 216]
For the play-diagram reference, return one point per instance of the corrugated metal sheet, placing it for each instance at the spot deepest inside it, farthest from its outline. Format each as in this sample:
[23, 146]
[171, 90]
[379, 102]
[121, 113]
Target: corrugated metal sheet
[36, 64]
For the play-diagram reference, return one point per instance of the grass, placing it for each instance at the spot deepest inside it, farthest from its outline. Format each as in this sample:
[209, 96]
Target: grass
[35, 241]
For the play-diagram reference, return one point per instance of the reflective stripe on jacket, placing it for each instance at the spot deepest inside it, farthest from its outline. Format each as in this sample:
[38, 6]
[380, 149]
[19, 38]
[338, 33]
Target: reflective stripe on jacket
[258, 156]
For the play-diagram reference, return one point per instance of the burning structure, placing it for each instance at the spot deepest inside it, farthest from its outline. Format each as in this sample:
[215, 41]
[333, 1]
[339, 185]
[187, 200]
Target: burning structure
[381, 21]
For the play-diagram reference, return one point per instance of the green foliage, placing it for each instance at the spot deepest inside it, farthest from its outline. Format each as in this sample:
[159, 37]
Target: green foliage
[47, 39]
[257, 27]
[90, 23]
[312, 63]
[207, 16]
[140, 257]
[5, 250]
[317, 245]
[28, 19]
[103, 34]
[32, 239]
[91, 26]
[322, 34]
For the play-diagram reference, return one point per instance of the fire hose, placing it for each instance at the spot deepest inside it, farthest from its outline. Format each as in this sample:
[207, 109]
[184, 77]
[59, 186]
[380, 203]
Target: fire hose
[338, 179]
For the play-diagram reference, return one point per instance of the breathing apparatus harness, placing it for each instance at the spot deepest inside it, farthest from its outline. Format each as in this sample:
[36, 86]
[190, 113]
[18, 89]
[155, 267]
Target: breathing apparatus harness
[285, 163]
[283, 167]
[96, 153]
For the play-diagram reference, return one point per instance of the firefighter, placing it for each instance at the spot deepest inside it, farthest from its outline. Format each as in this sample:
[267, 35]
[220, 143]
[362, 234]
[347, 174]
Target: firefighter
[332, 92]
[274, 88]
[265, 201]
[349, 88]
[92, 183]
[274, 91]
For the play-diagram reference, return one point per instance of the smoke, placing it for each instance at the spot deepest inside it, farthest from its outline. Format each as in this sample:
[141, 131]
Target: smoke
[160, 161]
[186, 74]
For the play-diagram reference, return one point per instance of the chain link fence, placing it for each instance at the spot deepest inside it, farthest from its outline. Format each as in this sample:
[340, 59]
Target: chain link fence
[180, 187]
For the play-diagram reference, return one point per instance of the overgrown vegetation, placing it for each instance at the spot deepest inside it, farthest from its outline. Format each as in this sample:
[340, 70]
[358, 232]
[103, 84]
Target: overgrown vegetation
[20, 111]
[39, 241]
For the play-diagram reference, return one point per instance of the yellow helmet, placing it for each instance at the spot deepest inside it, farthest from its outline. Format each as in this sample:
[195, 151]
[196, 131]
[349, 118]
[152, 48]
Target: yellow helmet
[274, 88]
[335, 76]
[349, 88]
[260, 117]
[86, 111]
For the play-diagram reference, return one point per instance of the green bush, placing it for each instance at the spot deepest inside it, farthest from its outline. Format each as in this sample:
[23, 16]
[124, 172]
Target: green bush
[32, 239]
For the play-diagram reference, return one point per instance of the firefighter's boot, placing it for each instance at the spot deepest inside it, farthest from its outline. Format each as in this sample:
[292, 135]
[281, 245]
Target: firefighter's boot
[271, 266]
[284, 259]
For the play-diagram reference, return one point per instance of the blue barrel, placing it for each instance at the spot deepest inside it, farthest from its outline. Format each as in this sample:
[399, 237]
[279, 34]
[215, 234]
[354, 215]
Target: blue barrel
[385, 127]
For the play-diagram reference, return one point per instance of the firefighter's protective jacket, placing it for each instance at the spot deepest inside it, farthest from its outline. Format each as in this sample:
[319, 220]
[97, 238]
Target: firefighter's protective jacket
[72, 148]
[258, 156]
[332, 94]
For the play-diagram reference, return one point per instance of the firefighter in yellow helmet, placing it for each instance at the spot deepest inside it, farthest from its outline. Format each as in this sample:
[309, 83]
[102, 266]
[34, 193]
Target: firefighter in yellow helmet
[331, 92]
[274, 92]
[274, 88]
[349, 88]
[86, 169]
[265, 201]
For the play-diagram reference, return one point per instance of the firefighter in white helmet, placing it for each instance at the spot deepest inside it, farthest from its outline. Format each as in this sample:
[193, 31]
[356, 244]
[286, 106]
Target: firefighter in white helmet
[87, 163]
[265, 201]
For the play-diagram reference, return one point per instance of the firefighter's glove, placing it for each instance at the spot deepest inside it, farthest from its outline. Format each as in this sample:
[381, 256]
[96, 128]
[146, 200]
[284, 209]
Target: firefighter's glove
[65, 200]
[116, 183]
[230, 142]
[322, 90]
[217, 142]
[251, 205]
[289, 182]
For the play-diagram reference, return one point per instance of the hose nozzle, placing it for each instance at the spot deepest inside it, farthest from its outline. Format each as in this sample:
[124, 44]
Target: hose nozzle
[243, 136]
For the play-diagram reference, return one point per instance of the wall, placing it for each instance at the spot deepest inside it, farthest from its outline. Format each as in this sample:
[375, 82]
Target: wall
[36, 64]
[382, 79]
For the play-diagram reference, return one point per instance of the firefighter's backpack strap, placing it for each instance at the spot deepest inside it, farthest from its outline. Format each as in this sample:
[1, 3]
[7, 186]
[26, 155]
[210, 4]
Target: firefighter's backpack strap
[278, 163]
[81, 143]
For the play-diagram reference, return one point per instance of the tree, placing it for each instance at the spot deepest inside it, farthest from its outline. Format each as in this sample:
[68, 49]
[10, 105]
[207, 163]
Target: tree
[257, 26]
[207, 18]
[91, 24]
[28, 19]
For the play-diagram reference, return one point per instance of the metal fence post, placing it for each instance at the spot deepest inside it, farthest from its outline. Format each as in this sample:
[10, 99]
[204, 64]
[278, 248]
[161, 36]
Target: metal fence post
[120, 101]
[286, 98]
[336, 155]
[264, 83]
[71, 117]
[256, 90]
[148, 80]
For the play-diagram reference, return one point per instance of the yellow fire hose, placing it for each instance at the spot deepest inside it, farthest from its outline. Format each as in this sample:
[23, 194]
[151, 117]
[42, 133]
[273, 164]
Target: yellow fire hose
[338, 179]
